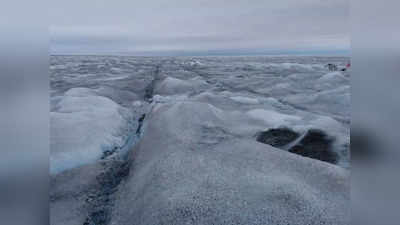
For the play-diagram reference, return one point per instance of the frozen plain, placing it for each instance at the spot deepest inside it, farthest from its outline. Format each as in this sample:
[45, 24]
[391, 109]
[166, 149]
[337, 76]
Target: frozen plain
[173, 140]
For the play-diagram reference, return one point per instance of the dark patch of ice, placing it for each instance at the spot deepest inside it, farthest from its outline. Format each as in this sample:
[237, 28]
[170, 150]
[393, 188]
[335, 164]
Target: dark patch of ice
[316, 144]
[277, 137]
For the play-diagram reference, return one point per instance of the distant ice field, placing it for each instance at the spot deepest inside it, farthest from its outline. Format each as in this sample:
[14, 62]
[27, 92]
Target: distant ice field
[98, 102]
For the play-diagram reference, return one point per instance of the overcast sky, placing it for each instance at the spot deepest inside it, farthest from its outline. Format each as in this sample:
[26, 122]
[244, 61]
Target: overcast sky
[185, 26]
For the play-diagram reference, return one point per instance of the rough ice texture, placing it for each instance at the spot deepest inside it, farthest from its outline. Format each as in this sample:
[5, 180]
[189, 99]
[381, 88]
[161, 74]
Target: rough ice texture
[198, 161]
[296, 86]
[245, 100]
[83, 127]
[68, 194]
[277, 137]
[178, 177]
[272, 117]
[175, 86]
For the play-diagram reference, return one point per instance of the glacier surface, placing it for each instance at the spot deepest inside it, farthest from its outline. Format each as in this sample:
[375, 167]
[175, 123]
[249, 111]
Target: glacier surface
[172, 140]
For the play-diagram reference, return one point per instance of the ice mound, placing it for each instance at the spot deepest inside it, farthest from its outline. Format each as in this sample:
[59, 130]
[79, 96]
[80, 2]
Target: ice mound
[207, 96]
[193, 62]
[331, 80]
[173, 86]
[80, 92]
[120, 96]
[338, 98]
[295, 67]
[175, 179]
[83, 127]
[272, 118]
[245, 100]
[169, 98]
[333, 101]
[279, 89]
[201, 114]
[329, 77]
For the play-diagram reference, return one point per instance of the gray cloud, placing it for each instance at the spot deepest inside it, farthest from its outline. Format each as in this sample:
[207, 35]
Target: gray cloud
[180, 25]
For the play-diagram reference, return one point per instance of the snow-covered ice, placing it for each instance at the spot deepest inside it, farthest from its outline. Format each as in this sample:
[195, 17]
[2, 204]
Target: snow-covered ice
[245, 100]
[83, 127]
[183, 174]
[175, 86]
[272, 118]
[172, 140]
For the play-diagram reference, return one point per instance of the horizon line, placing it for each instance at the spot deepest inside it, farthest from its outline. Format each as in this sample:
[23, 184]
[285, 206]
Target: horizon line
[337, 52]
